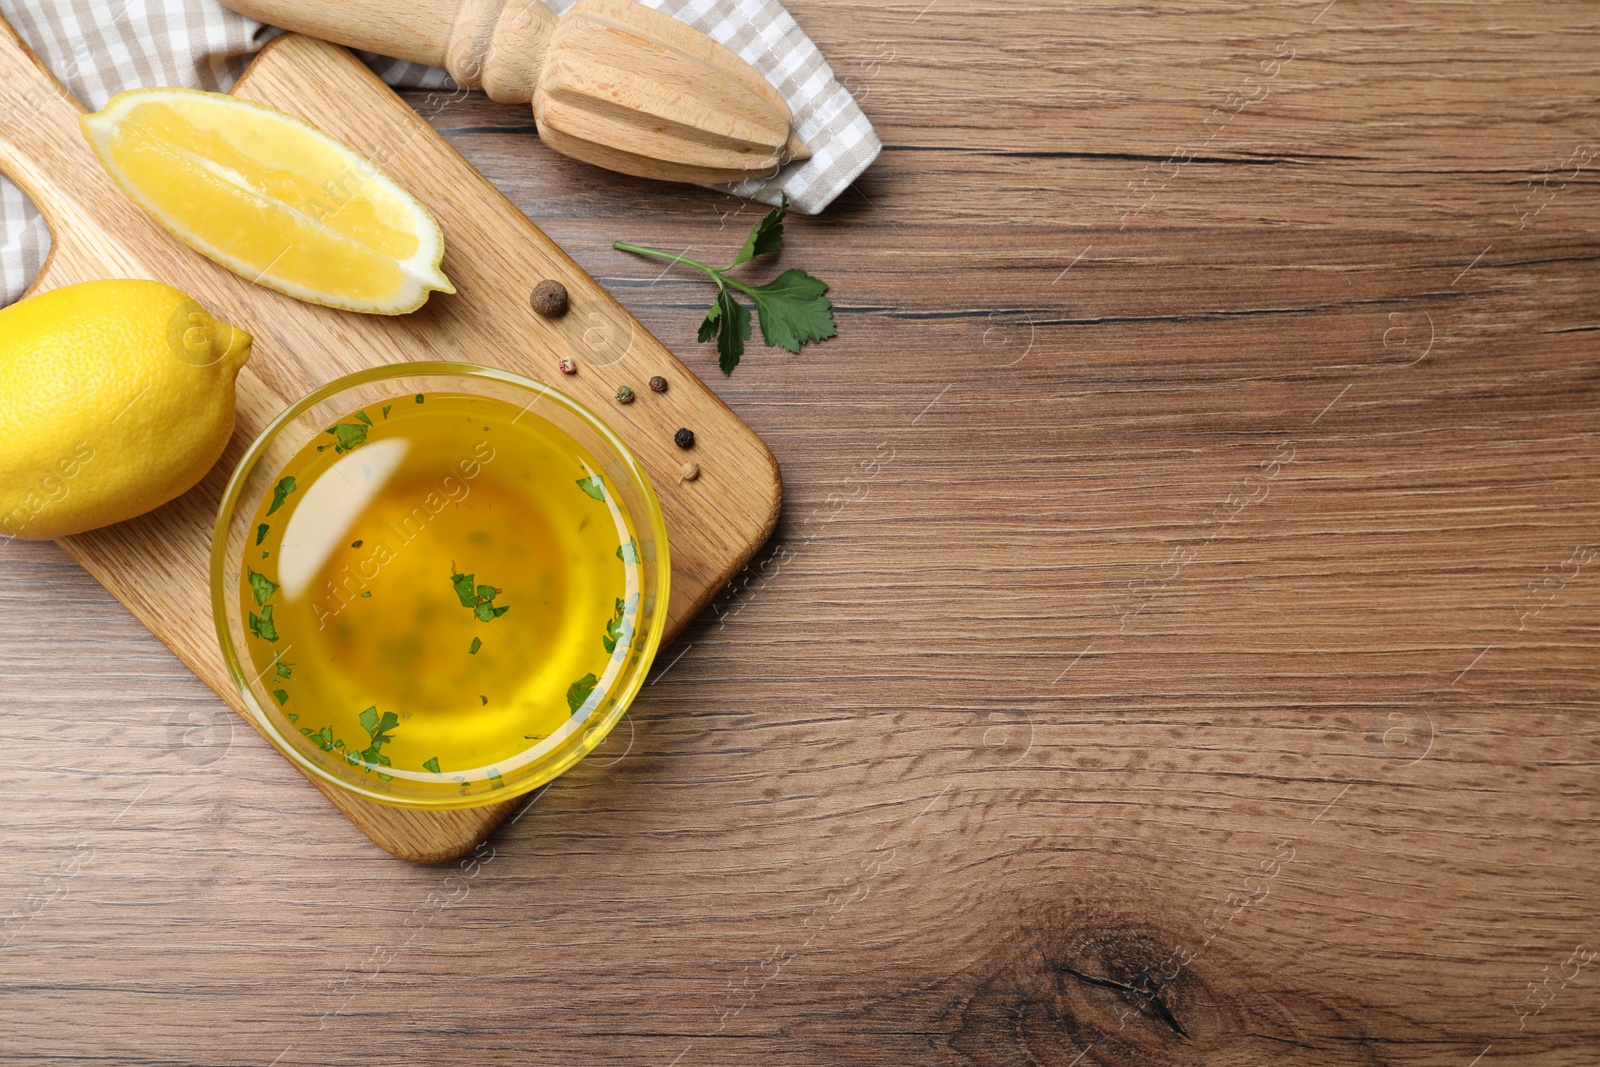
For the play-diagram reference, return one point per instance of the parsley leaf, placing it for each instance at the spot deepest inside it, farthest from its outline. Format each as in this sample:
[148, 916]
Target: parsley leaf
[579, 691]
[261, 532]
[473, 649]
[263, 626]
[361, 416]
[263, 587]
[766, 237]
[734, 328]
[372, 756]
[285, 670]
[593, 487]
[282, 695]
[793, 308]
[480, 598]
[386, 408]
[431, 765]
[349, 435]
[629, 553]
[280, 493]
[614, 628]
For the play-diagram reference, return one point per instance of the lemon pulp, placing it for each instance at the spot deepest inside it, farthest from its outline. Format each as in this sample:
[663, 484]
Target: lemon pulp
[271, 198]
[441, 590]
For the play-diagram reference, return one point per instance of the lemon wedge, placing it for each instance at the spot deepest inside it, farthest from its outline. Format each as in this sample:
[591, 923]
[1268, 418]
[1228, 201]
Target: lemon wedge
[271, 198]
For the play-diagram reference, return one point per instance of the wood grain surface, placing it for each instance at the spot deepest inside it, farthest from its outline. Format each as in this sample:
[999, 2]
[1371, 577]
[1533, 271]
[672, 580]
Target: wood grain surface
[1178, 645]
[159, 564]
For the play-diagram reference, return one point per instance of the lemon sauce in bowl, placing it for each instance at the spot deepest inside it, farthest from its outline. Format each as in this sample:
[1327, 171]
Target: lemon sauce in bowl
[440, 596]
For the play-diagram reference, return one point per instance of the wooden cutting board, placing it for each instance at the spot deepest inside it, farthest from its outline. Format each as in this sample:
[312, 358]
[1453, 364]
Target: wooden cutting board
[158, 565]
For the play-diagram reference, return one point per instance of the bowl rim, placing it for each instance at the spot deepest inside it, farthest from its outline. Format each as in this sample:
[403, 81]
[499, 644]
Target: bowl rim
[591, 737]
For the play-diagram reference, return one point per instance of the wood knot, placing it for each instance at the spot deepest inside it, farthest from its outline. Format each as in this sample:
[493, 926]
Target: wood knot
[1088, 985]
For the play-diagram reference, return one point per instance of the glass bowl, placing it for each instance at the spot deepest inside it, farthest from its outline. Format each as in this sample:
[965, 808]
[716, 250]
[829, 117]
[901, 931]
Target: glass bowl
[631, 638]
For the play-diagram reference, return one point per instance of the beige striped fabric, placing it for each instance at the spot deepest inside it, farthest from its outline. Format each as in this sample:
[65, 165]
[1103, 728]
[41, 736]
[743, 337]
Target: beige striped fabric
[98, 48]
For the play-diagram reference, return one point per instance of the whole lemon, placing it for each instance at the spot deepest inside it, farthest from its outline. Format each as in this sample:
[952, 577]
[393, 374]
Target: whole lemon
[115, 397]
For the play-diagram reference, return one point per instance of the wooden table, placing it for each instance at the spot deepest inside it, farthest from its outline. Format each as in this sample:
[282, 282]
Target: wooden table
[1178, 648]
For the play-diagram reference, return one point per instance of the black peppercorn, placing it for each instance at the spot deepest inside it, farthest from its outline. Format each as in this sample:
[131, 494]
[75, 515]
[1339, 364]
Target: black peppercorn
[550, 299]
[658, 384]
[684, 438]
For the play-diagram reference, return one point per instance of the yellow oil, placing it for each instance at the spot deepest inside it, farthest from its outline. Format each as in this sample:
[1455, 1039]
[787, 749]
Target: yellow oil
[444, 589]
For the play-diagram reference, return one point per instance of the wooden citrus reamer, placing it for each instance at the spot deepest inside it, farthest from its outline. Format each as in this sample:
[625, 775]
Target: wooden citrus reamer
[612, 82]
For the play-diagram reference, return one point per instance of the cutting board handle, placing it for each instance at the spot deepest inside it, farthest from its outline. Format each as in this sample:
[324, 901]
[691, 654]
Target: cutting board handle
[498, 45]
[41, 146]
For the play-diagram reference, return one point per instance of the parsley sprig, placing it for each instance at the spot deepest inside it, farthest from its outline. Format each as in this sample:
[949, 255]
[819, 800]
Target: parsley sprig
[792, 308]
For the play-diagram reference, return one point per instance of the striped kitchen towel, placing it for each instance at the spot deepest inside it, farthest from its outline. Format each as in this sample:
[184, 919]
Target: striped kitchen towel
[98, 48]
